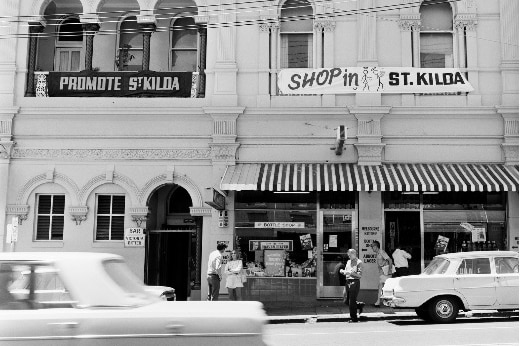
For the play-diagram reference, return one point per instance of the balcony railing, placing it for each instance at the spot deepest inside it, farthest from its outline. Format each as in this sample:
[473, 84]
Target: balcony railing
[141, 84]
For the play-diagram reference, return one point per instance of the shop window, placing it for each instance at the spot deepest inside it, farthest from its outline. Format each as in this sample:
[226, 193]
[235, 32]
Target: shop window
[401, 200]
[110, 217]
[184, 45]
[69, 46]
[296, 34]
[436, 38]
[50, 217]
[130, 50]
[465, 201]
[338, 200]
[506, 265]
[474, 266]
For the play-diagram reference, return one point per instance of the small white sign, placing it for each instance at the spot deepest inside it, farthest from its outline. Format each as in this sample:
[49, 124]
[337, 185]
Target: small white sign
[279, 224]
[134, 237]
[9, 234]
[333, 240]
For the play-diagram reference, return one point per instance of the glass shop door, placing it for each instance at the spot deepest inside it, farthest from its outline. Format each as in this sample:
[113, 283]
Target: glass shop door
[335, 236]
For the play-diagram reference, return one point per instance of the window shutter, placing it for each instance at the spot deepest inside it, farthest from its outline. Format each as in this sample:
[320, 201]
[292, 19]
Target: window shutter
[118, 206]
[42, 227]
[57, 228]
[103, 228]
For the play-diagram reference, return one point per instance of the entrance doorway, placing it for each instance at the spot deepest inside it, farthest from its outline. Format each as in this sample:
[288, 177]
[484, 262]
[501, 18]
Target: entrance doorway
[335, 237]
[173, 247]
[404, 228]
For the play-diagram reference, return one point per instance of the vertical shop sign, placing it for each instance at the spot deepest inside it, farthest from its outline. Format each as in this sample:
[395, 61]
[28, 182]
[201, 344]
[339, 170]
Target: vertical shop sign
[367, 236]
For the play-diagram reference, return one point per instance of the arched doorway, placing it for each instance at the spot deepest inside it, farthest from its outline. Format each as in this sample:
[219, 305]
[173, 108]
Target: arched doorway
[172, 241]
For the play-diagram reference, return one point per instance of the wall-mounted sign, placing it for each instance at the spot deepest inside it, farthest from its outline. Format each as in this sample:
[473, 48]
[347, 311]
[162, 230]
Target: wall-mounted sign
[348, 80]
[144, 83]
[134, 237]
[279, 224]
[256, 245]
[216, 199]
[223, 219]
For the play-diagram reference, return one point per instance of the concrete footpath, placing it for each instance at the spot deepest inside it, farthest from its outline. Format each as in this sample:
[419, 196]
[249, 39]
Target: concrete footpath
[336, 311]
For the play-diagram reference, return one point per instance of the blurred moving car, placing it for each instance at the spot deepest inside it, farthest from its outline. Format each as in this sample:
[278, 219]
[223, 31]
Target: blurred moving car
[163, 292]
[94, 299]
[483, 280]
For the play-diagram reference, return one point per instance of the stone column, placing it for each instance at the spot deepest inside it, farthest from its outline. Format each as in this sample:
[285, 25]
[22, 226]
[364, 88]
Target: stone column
[203, 35]
[318, 48]
[328, 56]
[367, 39]
[34, 30]
[263, 97]
[275, 58]
[407, 22]
[90, 30]
[509, 43]
[147, 30]
[465, 25]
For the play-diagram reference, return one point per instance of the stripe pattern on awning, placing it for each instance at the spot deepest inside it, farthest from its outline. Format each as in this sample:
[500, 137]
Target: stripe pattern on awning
[291, 177]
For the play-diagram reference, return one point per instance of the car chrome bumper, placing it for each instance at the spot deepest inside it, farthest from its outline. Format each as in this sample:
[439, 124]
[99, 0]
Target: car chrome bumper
[393, 302]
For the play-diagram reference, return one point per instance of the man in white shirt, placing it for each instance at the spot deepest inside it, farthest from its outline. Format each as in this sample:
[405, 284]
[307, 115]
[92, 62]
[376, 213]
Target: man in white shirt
[214, 271]
[401, 258]
[353, 271]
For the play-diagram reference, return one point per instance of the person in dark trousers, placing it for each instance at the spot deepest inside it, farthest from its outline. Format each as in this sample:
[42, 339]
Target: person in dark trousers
[341, 278]
[353, 271]
[401, 258]
[214, 271]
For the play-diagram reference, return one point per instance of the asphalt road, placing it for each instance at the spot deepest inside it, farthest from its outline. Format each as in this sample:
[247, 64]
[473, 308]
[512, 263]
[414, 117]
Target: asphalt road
[464, 332]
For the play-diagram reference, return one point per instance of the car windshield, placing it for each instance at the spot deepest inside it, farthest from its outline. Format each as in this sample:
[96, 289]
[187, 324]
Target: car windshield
[439, 265]
[127, 281]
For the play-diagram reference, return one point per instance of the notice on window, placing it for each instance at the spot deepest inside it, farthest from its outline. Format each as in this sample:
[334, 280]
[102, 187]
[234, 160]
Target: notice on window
[134, 237]
[442, 243]
[478, 234]
[373, 79]
[333, 240]
[274, 261]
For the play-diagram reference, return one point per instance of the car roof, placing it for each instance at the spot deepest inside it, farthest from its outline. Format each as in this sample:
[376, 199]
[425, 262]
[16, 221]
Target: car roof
[480, 254]
[55, 256]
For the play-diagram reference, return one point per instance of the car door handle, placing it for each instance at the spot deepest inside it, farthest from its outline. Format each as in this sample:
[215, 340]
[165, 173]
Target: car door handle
[65, 325]
[174, 327]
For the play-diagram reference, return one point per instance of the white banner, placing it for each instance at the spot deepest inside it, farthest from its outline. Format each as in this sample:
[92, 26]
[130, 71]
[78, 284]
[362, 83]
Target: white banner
[347, 80]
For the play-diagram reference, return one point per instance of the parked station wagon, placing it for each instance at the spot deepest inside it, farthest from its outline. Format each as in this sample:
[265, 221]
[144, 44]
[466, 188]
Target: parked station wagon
[94, 299]
[483, 280]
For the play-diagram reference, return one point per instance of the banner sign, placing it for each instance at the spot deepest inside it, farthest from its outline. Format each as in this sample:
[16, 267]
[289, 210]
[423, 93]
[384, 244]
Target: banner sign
[346, 80]
[256, 245]
[118, 84]
[279, 224]
[134, 237]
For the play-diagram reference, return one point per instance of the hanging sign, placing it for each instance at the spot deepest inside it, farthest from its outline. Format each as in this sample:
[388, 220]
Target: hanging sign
[279, 224]
[134, 237]
[119, 84]
[256, 245]
[347, 80]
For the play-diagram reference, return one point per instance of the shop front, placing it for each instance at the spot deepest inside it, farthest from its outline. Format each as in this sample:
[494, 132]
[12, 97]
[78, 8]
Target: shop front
[295, 222]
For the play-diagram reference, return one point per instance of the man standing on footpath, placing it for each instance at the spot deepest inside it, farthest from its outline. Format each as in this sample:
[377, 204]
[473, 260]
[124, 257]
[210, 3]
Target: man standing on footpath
[214, 272]
[401, 258]
[352, 271]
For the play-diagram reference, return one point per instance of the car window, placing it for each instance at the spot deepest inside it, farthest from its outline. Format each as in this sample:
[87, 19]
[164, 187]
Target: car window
[128, 282]
[437, 266]
[474, 266]
[39, 287]
[506, 265]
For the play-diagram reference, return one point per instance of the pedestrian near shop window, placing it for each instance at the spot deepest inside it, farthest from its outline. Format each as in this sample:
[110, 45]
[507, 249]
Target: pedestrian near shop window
[234, 271]
[214, 272]
[382, 260]
[401, 258]
[353, 271]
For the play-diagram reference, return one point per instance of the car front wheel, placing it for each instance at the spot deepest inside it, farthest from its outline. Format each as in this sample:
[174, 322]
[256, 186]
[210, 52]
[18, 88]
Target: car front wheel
[443, 310]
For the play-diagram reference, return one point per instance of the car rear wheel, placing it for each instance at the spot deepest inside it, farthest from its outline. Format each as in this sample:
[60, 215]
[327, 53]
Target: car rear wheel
[423, 314]
[443, 309]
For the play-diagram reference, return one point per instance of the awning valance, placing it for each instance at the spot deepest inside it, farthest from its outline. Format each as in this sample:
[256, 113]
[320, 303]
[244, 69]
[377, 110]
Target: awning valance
[387, 177]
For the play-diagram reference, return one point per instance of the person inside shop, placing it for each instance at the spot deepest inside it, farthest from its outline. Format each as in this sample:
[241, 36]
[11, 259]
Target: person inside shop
[214, 271]
[401, 257]
[353, 271]
[384, 263]
[235, 274]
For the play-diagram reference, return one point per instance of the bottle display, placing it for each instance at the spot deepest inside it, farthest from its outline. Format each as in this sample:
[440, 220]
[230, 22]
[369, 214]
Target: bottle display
[289, 273]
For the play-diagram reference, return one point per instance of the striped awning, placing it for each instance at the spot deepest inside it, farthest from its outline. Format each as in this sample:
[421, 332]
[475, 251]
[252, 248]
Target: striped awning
[386, 177]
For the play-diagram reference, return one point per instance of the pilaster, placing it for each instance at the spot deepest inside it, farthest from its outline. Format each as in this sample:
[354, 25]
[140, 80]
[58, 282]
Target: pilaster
[408, 23]
[511, 132]
[224, 146]
[509, 54]
[465, 25]
[369, 145]
[264, 28]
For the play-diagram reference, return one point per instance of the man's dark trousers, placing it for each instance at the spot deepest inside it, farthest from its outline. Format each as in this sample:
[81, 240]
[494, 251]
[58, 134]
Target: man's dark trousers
[352, 287]
[213, 286]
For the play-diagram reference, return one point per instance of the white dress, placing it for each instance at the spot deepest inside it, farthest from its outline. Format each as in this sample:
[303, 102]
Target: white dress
[233, 271]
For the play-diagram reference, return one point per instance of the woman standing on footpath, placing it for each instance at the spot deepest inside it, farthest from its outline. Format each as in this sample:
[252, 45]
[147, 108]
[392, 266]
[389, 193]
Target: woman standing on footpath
[382, 259]
[234, 271]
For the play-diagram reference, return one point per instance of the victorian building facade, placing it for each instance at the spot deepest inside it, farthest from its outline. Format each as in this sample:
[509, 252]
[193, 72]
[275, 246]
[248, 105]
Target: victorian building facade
[83, 161]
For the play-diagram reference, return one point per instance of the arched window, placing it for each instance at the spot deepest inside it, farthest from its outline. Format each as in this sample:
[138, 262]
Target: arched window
[130, 51]
[184, 45]
[69, 45]
[180, 201]
[296, 37]
[436, 46]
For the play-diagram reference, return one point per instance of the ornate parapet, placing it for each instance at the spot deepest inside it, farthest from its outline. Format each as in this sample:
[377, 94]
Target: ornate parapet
[139, 215]
[78, 214]
[20, 210]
